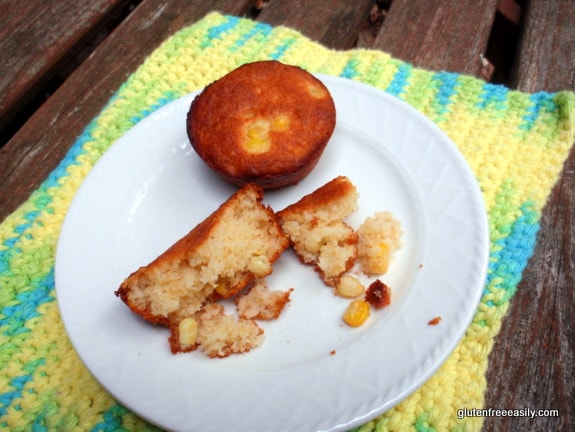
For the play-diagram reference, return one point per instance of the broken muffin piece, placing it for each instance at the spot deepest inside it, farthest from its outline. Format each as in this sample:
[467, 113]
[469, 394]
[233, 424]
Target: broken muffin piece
[233, 246]
[220, 335]
[317, 229]
[379, 239]
[262, 303]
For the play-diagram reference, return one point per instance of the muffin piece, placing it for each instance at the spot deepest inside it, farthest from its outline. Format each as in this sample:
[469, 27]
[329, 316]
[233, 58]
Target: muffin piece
[262, 303]
[220, 335]
[265, 122]
[317, 229]
[379, 239]
[211, 262]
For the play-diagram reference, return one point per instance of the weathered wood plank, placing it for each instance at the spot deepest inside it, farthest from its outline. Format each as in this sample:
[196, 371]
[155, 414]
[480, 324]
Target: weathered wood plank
[448, 35]
[546, 52]
[333, 23]
[37, 39]
[535, 350]
[32, 153]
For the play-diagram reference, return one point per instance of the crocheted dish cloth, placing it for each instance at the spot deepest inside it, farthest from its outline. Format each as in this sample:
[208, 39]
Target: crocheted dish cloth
[515, 143]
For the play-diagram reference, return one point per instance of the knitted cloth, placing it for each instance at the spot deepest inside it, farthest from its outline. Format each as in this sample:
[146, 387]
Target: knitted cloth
[515, 143]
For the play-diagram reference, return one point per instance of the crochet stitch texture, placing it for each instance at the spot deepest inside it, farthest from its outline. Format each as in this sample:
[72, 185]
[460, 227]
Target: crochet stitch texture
[514, 142]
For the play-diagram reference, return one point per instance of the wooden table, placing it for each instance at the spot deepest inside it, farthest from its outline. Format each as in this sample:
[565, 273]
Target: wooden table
[61, 61]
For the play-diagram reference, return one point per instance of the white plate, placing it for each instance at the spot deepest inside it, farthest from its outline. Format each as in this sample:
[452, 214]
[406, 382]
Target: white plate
[312, 373]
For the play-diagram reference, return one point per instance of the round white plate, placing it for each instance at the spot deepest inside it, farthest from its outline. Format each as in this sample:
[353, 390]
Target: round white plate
[312, 373]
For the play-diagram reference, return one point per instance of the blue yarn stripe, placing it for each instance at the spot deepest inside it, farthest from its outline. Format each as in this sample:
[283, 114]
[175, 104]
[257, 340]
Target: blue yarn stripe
[540, 102]
[218, 31]
[259, 28]
[447, 84]
[512, 253]
[7, 398]
[14, 317]
[350, 69]
[112, 420]
[281, 49]
[493, 96]
[17, 384]
[400, 79]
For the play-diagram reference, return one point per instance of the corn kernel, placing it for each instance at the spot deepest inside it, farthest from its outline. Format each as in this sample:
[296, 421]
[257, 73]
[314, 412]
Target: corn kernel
[357, 313]
[257, 131]
[259, 266]
[280, 122]
[188, 330]
[257, 137]
[377, 262]
[349, 287]
[257, 146]
[222, 289]
[383, 257]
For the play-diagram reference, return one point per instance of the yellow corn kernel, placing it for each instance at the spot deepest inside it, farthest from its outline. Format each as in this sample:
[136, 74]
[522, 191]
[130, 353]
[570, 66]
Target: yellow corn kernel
[280, 122]
[259, 266]
[188, 330]
[378, 259]
[349, 287]
[222, 289]
[257, 137]
[357, 313]
[257, 131]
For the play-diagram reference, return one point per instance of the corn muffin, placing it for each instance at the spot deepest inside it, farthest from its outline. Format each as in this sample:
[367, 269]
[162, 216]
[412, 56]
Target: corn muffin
[265, 122]
[317, 229]
[211, 262]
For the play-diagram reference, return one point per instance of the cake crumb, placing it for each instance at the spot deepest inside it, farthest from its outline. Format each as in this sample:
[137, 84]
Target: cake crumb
[434, 321]
[378, 294]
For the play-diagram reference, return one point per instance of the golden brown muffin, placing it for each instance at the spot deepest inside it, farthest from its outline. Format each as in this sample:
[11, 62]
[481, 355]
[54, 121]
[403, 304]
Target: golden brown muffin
[265, 122]
[218, 258]
[317, 229]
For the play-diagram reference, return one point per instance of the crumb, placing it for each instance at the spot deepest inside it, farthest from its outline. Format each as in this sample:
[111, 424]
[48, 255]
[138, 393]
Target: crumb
[378, 294]
[434, 321]
[332, 352]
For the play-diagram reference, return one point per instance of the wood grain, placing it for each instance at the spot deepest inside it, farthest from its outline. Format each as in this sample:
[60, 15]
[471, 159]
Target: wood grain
[450, 35]
[546, 52]
[32, 52]
[533, 361]
[333, 23]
